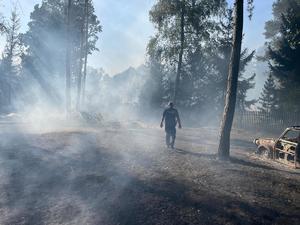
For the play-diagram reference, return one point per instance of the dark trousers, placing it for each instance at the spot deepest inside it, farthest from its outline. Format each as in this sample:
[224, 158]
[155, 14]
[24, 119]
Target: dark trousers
[170, 134]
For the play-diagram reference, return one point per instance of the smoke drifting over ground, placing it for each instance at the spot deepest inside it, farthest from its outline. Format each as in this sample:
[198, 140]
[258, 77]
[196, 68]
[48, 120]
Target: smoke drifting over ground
[116, 175]
[102, 160]
[114, 169]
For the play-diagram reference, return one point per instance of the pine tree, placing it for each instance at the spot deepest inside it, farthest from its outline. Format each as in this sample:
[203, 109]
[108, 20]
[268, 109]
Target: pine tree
[9, 67]
[13, 47]
[2, 26]
[244, 85]
[182, 38]
[284, 52]
[269, 99]
[45, 41]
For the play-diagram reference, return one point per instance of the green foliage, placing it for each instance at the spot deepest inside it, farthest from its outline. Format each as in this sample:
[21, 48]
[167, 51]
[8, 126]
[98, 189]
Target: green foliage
[221, 61]
[250, 8]
[2, 25]
[284, 52]
[13, 46]
[165, 15]
[45, 44]
[199, 24]
[45, 40]
[9, 64]
[269, 96]
[280, 7]
[207, 49]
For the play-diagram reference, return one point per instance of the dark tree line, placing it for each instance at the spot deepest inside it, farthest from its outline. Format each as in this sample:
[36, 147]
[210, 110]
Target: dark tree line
[189, 57]
[197, 42]
[283, 53]
[199, 57]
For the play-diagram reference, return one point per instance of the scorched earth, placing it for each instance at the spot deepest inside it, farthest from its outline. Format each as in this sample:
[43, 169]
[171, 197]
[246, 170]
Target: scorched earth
[125, 175]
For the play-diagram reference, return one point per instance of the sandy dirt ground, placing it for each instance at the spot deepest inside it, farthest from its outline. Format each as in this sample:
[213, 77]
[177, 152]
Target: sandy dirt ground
[126, 175]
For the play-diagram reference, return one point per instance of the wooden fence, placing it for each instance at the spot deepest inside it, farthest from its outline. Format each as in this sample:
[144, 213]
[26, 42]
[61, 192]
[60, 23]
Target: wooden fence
[266, 121]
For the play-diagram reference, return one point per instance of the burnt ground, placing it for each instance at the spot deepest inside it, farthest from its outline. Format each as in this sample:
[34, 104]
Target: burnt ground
[119, 176]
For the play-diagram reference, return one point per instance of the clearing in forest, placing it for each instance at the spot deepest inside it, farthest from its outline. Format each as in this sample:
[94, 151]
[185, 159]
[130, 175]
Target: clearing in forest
[126, 175]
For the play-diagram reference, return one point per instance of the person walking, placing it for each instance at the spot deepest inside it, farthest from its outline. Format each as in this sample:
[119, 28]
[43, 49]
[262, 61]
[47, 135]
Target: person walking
[171, 118]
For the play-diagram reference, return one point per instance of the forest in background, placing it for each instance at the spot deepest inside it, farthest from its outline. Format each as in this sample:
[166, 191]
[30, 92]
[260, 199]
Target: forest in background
[79, 146]
[189, 52]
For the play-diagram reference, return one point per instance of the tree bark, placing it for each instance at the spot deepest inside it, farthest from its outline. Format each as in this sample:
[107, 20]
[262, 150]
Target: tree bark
[179, 65]
[232, 83]
[86, 49]
[79, 74]
[68, 59]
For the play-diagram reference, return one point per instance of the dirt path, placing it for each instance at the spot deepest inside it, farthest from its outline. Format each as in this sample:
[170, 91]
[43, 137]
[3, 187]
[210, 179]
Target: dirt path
[127, 176]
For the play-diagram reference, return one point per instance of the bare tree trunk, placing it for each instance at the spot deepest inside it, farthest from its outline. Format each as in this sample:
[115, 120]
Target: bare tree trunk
[68, 60]
[86, 48]
[179, 66]
[79, 75]
[232, 83]
[9, 94]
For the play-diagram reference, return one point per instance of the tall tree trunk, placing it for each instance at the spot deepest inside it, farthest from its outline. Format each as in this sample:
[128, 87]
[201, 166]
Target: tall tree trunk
[179, 66]
[68, 60]
[9, 94]
[86, 48]
[10, 74]
[79, 74]
[232, 83]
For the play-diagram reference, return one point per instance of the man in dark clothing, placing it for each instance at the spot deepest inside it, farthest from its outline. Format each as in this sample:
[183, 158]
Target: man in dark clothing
[171, 118]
